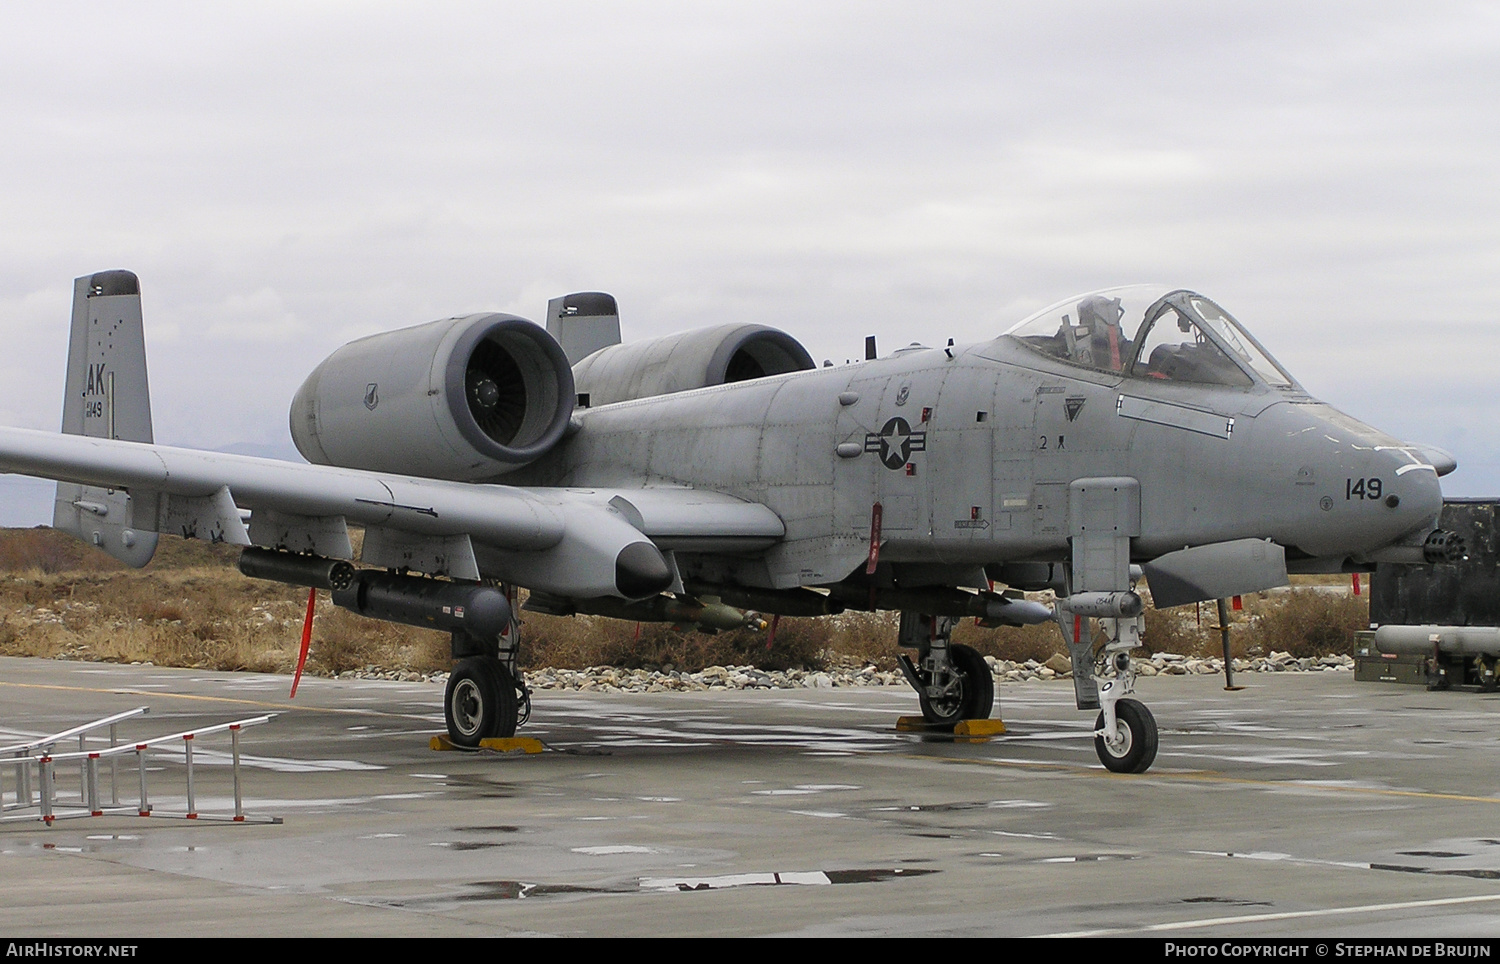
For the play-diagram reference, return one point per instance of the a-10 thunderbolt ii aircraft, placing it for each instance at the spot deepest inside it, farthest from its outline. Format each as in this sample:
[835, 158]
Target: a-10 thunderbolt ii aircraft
[710, 476]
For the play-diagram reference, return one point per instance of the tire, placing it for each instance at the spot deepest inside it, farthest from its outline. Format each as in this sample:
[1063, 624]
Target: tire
[480, 701]
[975, 698]
[1138, 726]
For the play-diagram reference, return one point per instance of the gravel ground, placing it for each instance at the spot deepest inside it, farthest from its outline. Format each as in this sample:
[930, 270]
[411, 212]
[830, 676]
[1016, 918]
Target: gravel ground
[844, 672]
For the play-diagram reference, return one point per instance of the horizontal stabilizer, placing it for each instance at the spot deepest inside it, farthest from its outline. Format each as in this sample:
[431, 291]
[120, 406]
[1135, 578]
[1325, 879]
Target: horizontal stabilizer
[1215, 571]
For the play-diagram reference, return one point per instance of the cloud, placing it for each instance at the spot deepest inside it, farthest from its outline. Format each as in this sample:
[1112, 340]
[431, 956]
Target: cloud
[290, 176]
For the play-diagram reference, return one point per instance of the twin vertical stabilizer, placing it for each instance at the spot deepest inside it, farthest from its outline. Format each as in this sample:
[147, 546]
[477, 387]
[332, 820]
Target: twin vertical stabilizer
[583, 323]
[107, 397]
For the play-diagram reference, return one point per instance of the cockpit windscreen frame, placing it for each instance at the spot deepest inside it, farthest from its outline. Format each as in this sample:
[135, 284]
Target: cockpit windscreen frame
[1113, 335]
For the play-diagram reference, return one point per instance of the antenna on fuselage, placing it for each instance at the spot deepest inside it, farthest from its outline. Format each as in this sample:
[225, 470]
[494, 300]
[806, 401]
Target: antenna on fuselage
[870, 348]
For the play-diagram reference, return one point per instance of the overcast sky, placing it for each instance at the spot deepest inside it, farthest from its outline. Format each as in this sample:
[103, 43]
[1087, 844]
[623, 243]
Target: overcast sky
[285, 177]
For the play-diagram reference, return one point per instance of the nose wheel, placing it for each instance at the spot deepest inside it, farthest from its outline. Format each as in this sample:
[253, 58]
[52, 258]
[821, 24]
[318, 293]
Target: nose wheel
[1131, 747]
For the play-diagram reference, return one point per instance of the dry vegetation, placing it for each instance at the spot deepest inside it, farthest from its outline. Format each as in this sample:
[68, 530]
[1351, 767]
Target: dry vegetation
[191, 607]
[1315, 617]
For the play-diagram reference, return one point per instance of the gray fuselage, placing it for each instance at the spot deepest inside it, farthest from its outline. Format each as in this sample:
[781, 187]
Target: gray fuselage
[970, 451]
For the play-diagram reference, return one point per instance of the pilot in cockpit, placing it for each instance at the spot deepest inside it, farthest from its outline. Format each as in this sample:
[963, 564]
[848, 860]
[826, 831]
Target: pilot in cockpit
[1109, 346]
[1151, 332]
[1097, 341]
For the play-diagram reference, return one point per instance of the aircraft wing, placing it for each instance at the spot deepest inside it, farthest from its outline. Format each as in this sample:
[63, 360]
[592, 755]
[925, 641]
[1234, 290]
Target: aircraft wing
[564, 540]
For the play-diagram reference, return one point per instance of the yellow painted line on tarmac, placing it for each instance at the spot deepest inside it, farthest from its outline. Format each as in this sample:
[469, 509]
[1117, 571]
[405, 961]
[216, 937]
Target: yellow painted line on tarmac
[1209, 776]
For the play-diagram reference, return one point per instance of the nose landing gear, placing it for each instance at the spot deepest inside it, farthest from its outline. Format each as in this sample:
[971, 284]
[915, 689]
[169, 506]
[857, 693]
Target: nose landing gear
[1128, 743]
[1125, 733]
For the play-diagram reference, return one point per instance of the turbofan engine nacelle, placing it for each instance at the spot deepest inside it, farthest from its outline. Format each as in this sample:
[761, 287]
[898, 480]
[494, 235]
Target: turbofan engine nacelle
[465, 398]
[688, 360]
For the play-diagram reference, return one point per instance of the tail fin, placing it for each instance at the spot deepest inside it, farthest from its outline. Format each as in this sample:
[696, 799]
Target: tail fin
[583, 323]
[107, 397]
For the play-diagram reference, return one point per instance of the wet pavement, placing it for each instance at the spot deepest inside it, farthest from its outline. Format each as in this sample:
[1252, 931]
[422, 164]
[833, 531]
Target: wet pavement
[1307, 804]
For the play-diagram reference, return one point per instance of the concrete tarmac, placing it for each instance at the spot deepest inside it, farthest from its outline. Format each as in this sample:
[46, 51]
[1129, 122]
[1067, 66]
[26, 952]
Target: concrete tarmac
[1305, 805]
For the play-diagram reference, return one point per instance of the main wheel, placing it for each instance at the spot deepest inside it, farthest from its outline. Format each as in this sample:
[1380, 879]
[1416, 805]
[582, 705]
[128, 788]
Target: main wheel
[480, 701]
[974, 696]
[1136, 728]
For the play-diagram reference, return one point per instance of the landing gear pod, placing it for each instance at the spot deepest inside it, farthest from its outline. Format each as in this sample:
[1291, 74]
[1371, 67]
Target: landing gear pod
[478, 612]
[466, 398]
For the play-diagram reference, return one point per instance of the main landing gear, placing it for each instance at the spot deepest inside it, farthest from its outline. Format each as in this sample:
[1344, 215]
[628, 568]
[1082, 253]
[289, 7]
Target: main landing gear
[953, 682]
[487, 695]
[482, 701]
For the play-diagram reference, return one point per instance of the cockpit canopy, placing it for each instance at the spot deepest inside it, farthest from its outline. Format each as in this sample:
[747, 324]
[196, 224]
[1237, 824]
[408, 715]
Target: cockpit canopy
[1150, 331]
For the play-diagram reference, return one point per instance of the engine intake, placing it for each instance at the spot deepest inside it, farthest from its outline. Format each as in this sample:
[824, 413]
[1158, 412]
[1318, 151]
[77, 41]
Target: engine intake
[688, 360]
[464, 398]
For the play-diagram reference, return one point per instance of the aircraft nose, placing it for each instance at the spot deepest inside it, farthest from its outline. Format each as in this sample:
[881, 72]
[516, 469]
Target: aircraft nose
[1391, 497]
[1373, 491]
[1410, 485]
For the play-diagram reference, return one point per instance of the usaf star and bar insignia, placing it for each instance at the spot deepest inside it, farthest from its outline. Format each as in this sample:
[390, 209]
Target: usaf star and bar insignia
[896, 442]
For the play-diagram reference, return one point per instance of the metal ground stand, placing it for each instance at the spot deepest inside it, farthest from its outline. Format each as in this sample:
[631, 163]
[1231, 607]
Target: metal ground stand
[49, 804]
